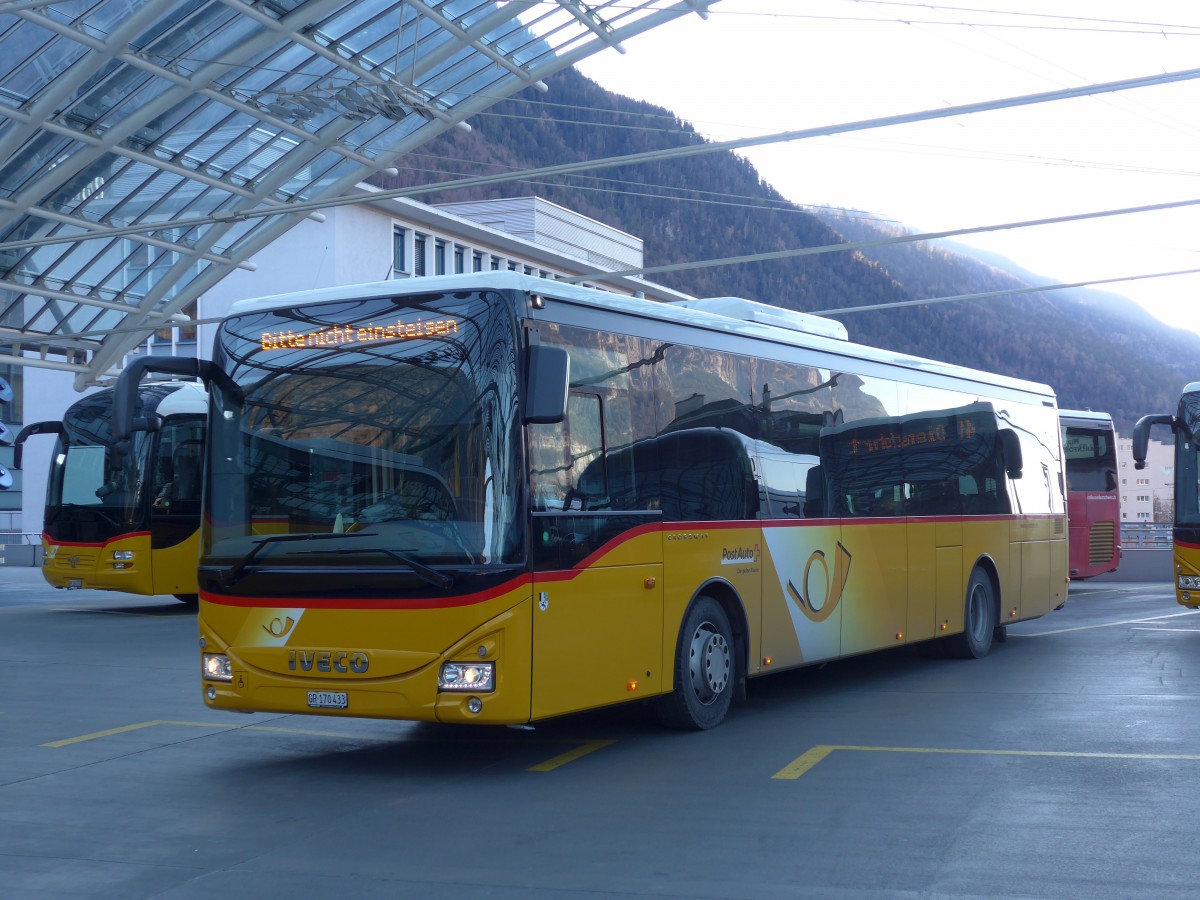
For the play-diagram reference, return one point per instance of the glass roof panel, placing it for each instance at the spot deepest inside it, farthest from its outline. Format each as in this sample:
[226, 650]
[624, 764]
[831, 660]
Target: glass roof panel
[148, 147]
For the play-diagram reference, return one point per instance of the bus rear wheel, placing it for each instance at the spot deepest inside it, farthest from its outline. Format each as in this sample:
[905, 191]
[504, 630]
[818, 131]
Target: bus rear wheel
[979, 619]
[705, 670]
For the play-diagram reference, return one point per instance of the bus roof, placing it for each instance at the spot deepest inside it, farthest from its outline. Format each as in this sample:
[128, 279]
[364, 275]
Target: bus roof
[1085, 416]
[790, 332]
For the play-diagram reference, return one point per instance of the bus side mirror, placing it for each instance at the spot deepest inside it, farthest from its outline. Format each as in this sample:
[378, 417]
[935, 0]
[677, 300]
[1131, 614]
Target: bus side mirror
[6, 436]
[51, 427]
[1013, 460]
[126, 394]
[6, 479]
[1141, 436]
[6, 391]
[547, 375]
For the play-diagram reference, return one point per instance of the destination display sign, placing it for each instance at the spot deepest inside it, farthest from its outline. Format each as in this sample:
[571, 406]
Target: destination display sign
[349, 335]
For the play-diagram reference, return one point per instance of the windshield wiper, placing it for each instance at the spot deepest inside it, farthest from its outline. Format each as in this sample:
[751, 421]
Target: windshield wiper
[235, 571]
[426, 573]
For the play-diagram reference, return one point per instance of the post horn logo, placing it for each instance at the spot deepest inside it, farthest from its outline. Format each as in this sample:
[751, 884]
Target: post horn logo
[819, 604]
[278, 627]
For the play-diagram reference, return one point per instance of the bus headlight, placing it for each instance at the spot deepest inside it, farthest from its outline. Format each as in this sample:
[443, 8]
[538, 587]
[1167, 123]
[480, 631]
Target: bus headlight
[476, 677]
[216, 667]
[123, 554]
[1189, 582]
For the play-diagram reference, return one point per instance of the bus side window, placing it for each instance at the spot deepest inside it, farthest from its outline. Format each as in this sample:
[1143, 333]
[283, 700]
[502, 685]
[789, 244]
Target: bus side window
[566, 458]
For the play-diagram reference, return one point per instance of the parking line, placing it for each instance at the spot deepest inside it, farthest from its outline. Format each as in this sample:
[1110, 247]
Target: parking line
[106, 733]
[570, 756]
[1140, 621]
[549, 765]
[801, 764]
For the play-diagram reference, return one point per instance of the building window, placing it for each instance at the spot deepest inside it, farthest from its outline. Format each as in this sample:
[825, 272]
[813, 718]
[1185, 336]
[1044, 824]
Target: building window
[398, 235]
[495, 263]
[418, 254]
[439, 257]
[460, 253]
[477, 261]
[178, 334]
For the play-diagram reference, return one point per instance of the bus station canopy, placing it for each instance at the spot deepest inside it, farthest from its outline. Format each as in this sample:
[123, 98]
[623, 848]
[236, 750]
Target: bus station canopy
[149, 147]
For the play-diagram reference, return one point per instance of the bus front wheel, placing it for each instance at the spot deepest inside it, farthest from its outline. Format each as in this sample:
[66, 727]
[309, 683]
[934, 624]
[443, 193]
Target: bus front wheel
[979, 619]
[704, 669]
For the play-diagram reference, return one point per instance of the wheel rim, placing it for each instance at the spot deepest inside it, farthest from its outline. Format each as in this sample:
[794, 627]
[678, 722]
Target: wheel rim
[709, 663]
[977, 610]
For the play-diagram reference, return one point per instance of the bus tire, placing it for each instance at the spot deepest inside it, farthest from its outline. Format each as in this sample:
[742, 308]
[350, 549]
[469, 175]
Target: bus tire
[705, 670]
[979, 619]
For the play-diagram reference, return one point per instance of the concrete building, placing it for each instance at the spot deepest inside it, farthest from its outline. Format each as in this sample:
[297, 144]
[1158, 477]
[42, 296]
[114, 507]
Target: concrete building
[1147, 495]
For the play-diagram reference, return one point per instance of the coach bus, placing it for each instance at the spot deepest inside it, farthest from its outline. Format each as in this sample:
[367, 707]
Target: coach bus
[125, 518]
[1093, 498]
[1185, 423]
[495, 498]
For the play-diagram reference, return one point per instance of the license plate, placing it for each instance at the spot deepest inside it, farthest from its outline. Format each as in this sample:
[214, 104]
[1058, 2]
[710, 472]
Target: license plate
[328, 700]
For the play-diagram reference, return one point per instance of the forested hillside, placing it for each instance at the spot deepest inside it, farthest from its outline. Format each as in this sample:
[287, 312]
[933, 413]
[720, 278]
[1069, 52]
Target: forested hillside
[1097, 350]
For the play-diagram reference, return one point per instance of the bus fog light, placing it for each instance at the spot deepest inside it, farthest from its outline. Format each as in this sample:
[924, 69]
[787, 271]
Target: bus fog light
[216, 667]
[1189, 582]
[475, 704]
[211, 693]
[475, 677]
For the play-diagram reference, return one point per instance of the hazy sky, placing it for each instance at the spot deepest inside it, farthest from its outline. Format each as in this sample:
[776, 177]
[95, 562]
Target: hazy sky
[759, 67]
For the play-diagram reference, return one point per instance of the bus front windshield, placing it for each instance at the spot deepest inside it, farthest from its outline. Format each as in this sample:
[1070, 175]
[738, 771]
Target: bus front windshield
[1187, 466]
[94, 493]
[376, 434]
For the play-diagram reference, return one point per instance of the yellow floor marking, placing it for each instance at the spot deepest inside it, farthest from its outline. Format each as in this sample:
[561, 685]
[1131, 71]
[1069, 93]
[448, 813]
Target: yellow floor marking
[570, 756]
[107, 733]
[584, 748]
[802, 764]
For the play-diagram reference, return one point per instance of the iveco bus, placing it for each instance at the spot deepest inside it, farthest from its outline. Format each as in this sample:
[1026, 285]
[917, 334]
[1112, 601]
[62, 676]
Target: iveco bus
[495, 498]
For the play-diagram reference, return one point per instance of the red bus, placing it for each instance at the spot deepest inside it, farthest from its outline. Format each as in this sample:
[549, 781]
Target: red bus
[1093, 504]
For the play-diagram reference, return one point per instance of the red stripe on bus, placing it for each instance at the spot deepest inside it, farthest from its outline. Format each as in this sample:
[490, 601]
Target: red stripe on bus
[361, 603]
[120, 537]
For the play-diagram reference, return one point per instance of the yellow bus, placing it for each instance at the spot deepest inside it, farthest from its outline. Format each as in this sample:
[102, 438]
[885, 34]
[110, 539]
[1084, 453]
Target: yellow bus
[1185, 424]
[125, 518]
[495, 498]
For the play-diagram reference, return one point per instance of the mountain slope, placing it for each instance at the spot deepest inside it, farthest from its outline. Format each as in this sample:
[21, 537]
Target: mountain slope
[1097, 350]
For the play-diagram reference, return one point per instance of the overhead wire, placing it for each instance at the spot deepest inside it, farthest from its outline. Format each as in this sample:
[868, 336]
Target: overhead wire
[692, 149]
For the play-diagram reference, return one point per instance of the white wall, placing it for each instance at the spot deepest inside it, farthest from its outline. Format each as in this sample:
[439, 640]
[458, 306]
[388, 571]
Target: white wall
[47, 395]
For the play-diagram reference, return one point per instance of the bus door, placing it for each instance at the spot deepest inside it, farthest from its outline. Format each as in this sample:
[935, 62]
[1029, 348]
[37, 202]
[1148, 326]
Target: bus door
[935, 559]
[875, 533]
[175, 505]
[597, 558]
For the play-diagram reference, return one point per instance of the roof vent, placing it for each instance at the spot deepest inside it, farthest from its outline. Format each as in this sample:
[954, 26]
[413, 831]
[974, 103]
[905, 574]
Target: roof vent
[752, 311]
